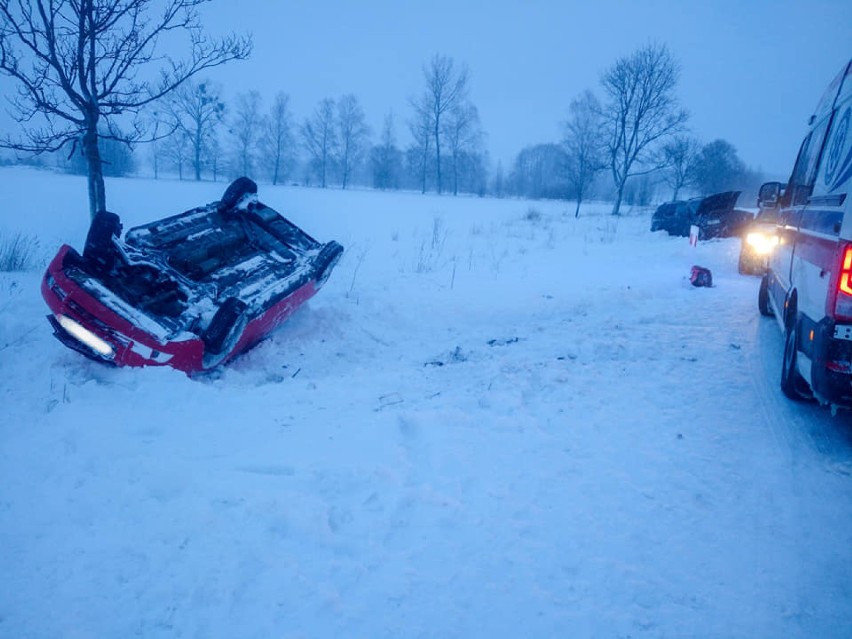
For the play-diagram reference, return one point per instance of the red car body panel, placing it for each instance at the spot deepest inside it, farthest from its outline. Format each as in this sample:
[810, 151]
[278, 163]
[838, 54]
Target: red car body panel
[73, 290]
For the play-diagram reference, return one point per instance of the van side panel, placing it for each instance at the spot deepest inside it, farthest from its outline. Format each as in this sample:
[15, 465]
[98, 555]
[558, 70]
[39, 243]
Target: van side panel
[815, 227]
[780, 265]
[813, 263]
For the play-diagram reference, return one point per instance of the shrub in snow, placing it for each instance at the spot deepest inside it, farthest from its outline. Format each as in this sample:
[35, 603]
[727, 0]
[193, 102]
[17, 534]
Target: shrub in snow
[17, 252]
[532, 215]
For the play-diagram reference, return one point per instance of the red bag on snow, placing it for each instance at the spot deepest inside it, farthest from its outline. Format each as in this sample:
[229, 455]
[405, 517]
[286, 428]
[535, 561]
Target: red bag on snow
[701, 276]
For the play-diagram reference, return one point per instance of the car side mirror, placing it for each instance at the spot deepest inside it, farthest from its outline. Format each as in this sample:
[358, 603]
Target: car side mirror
[769, 194]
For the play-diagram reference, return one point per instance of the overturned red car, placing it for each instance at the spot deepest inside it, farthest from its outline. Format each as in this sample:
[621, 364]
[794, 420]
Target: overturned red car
[190, 291]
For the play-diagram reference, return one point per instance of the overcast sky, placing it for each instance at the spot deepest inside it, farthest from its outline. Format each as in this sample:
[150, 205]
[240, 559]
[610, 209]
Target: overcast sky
[751, 70]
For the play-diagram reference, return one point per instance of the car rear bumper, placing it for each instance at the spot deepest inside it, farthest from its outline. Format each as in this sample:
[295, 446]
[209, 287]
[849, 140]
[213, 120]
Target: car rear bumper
[91, 321]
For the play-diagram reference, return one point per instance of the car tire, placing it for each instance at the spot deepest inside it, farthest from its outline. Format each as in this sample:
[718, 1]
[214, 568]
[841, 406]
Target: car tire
[749, 265]
[742, 267]
[235, 192]
[763, 297]
[793, 385]
[229, 318]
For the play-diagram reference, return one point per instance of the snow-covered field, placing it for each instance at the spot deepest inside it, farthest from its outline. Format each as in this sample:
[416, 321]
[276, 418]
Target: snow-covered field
[494, 421]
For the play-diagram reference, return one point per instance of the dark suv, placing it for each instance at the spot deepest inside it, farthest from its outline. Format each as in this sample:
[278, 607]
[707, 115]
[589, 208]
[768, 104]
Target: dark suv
[715, 216]
[672, 217]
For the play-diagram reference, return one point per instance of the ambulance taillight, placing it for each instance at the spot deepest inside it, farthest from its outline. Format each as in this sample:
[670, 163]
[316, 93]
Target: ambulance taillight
[842, 310]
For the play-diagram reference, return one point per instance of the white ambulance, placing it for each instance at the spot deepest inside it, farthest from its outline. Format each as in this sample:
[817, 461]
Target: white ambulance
[808, 284]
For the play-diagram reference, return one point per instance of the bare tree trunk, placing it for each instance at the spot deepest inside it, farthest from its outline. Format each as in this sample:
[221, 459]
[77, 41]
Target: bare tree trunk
[197, 143]
[617, 206]
[97, 193]
[455, 174]
[438, 151]
[345, 164]
[577, 210]
[424, 163]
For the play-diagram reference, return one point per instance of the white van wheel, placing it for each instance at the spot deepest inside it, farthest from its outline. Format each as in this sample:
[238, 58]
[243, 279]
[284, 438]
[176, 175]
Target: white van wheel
[763, 297]
[793, 385]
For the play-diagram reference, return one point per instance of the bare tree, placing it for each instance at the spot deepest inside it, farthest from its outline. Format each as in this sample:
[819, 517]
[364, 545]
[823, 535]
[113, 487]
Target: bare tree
[680, 155]
[177, 150]
[499, 184]
[79, 65]
[446, 88]
[154, 123]
[385, 158]
[421, 132]
[277, 141]
[116, 157]
[214, 153]
[584, 151]
[463, 135]
[538, 172]
[473, 172]
[319, 138]
[196, 110]
[641, 110]
[352, 132]
[245, 131]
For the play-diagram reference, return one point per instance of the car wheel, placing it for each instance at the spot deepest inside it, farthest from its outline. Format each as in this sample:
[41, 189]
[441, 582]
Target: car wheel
[763, 297]
[228, 320]
[793, 385]
[742, 266]
[235, 192]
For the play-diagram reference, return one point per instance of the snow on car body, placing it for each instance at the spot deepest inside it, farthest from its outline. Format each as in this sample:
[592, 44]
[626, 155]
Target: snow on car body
[808, 284]
[190, 291]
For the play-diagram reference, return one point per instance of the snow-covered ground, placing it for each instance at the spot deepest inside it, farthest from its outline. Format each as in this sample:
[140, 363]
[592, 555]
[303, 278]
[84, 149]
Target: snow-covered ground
[495, 420]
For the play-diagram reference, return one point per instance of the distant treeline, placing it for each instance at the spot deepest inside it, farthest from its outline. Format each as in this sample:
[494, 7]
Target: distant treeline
[198, 133]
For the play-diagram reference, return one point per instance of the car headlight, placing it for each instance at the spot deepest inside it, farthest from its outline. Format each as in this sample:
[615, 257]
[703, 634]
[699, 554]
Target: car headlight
[762, 243]
[86, 336]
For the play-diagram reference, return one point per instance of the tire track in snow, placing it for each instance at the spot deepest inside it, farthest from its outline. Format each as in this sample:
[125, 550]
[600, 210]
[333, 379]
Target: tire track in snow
[797, 427]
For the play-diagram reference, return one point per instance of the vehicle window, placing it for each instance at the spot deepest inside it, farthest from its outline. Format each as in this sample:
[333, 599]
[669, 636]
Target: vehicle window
[804, 173]
[692, 207]
[790, 217]
[819, 221]
[836, 164]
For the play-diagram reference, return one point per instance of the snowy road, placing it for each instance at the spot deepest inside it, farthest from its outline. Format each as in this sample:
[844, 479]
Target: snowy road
[494, 421]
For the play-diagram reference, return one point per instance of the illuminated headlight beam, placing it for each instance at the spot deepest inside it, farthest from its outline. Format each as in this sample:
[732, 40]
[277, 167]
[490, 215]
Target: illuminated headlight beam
[761, 243]
[86, 336]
